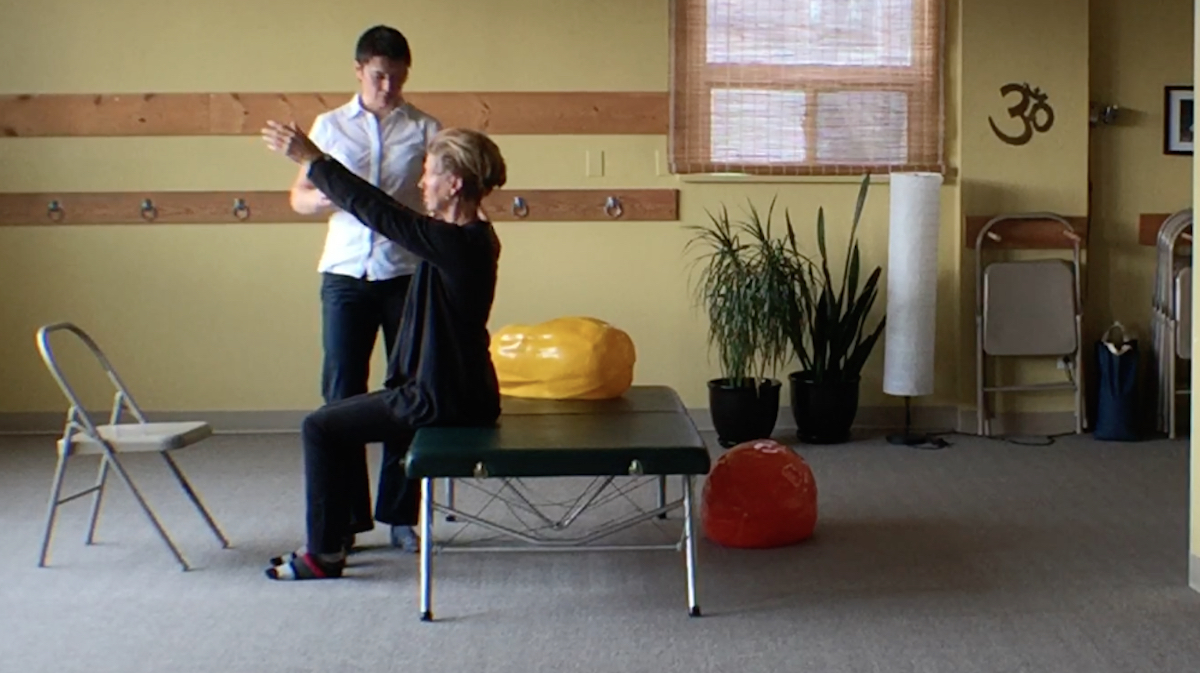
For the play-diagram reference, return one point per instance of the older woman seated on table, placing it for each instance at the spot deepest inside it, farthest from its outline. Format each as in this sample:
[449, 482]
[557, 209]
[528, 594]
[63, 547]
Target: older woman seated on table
[441, 371]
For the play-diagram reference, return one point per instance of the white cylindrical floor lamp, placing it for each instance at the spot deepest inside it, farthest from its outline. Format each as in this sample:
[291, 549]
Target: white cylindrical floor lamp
[908, 369]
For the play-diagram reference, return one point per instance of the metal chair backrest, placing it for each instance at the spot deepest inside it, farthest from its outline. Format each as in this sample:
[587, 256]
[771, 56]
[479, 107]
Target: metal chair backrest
[78, 414]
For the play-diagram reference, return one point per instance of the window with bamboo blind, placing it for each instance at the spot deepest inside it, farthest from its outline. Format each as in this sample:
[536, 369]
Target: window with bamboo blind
[806, 87]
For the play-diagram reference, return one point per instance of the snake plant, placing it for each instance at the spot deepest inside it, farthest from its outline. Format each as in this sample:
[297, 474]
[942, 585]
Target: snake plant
[831, 339]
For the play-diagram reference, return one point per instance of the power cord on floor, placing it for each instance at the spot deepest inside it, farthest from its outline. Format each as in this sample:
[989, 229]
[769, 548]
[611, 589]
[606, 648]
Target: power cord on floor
[934, 440]
[1042, 440]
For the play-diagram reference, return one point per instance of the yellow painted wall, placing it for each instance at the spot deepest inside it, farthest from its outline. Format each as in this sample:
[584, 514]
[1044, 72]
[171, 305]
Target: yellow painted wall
[1046, 46]
[1130, 172]
[227, 317]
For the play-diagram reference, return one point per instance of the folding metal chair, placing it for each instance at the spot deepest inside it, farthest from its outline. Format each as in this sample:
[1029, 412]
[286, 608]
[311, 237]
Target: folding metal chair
[82, 436]
[1028, 308]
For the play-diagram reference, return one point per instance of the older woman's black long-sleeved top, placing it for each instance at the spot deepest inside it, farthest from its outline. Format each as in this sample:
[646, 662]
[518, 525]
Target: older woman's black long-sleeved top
[440, 370]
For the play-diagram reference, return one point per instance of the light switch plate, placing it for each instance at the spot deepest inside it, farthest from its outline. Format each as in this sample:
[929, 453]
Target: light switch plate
[595, 163]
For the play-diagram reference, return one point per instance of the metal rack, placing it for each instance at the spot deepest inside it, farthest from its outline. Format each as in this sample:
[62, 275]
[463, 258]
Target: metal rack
[1171, 321]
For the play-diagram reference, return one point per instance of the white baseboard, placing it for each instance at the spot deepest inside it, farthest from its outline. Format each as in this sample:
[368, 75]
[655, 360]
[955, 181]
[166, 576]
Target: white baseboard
[943, 418]
[928, 419]
[870, 419]
[1194, 571]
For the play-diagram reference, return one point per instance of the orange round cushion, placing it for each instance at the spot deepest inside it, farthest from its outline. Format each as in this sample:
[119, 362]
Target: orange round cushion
[759, 494]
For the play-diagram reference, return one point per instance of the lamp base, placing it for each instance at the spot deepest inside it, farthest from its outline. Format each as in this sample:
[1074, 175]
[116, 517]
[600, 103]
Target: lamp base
[910, 438]
[917, 441]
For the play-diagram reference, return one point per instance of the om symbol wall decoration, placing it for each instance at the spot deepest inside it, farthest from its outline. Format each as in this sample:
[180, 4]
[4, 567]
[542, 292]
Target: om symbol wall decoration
[1032, 110]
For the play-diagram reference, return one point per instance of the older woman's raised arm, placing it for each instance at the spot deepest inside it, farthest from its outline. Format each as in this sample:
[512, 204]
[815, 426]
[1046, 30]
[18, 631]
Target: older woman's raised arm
[420, 234]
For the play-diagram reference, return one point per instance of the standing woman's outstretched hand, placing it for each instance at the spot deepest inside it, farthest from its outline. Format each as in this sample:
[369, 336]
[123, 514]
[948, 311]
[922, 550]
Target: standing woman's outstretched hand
[290, 141]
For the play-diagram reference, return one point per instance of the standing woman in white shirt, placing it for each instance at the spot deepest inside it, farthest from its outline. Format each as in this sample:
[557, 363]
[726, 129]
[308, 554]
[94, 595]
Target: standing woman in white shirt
[364, 276]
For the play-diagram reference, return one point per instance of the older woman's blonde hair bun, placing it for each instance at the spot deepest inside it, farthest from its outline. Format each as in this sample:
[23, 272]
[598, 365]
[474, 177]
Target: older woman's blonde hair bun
[473, 157]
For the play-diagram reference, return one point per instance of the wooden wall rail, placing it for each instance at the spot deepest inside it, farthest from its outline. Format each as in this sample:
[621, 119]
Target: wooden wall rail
[264, 207]
[203, 114]
[1148, 226]
[1026, 234]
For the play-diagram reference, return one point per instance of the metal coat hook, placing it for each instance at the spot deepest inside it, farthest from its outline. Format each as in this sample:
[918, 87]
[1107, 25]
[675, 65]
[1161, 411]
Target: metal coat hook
[1103, 114]
[55, 211]
[519, 207]
[612, 207]
[149, 212]
[240, 209]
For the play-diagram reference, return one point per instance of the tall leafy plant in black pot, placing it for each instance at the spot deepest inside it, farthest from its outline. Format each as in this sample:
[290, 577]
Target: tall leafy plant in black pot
[745, 289]
[831, 339]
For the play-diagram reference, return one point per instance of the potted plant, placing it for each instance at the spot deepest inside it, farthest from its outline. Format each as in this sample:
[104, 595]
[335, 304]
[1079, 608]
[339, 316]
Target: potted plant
[745, 287]
[831, 339]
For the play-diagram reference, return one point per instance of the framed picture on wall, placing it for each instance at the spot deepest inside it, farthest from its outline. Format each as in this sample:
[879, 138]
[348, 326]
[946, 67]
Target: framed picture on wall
[1179, 120]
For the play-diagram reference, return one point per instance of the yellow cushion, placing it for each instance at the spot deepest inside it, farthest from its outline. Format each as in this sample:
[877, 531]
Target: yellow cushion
[565, 358]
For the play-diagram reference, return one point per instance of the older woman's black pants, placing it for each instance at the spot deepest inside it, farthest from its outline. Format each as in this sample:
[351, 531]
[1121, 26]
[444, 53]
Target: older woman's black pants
[332, 435]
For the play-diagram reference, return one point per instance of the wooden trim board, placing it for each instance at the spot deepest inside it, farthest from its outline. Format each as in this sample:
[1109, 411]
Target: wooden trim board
[1026, 234]
[583, 205]
[1148, 227]
[261, 207]
[204, 114]
[75, 208]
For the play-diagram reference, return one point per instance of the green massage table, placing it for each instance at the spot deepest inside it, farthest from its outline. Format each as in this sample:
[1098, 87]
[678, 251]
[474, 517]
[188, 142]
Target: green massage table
[644, 435]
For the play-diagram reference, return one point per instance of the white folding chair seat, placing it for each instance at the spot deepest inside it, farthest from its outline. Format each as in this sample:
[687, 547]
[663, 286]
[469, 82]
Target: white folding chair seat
[1029, 308]
[137, 437]
[83, 436]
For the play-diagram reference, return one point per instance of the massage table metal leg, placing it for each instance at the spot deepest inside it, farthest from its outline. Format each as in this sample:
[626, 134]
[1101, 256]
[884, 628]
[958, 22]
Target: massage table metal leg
[689, 532]
[662, 494]
[426, 515]
[450, 498]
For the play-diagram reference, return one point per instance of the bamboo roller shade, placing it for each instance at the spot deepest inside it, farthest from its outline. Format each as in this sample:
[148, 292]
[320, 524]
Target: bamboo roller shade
[192, 114]
[554, 205]
[1026, 234]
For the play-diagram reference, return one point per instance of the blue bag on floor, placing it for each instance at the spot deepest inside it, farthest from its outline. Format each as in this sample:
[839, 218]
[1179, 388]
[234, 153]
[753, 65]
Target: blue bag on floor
[1117, 370]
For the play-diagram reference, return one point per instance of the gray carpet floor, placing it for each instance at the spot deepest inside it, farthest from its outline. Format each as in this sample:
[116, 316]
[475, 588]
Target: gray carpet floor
[984, 556]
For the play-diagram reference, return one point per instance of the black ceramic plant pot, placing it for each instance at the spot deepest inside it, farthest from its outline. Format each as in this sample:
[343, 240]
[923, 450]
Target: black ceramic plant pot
[825, 411]
[745, 412]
